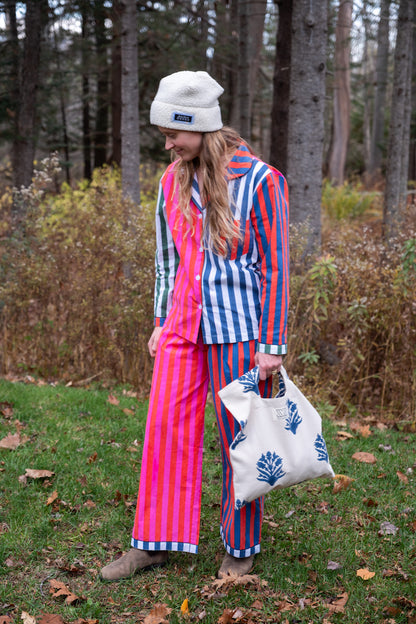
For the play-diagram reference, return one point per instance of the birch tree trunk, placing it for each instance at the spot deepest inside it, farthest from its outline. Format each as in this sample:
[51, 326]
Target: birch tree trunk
[342, 94]
[398, 150]
[306, 115]
[130, 146]
[377, 133]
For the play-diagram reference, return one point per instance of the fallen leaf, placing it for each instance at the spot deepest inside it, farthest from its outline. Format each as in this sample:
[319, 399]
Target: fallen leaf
[92, 458]
[341, 482]
[403, 478]
[38, 474]
[387, 528]
[338, 604]
[233, 579]
[27, 619]
[344, 435]
[363, 430]
[12, 441]
[128, 412]
[226, 617]
[51, 618]
[59, 590]
[366, 458]
[404, 602]
[185, 607]
[6, 410]
[333, 565]
[113, 400]
[52, 498]
[365, 574]
[5, 619]
[157, 615]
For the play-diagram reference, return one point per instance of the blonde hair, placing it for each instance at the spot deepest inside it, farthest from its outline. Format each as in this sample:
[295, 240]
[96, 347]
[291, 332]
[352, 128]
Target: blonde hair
[220, 227]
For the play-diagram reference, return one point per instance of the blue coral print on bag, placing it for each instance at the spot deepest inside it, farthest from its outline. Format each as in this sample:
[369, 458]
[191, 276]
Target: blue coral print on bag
[282, 388]
[240, 504]
[270, 468]
[250, 381]
[239, 437]
[321, 449]
[293, 420]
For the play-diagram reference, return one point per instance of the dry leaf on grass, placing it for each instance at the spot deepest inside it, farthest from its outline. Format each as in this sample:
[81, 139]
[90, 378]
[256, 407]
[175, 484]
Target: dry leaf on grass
[52, 498]
[387, 528]
[403, 478]
[51, 618]
[5, 619]
[6, 410]
[27, 619]
[12, 441]
[60, 590]
[38, 474]
[158, 615]
[341, 482]
[365, 574]
[338, 604]
[365, 458]
[185, 607]
[113, 400]
[246, 579]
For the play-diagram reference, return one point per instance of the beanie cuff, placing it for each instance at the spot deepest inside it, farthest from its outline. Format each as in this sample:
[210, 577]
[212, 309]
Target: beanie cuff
[167, 115]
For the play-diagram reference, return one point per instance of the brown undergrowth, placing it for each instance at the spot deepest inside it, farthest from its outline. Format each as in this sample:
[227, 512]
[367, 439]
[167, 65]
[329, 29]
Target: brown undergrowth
[76, 295]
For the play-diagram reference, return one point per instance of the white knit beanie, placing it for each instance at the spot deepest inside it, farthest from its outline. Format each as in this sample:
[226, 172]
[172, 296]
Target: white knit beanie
[187, 100]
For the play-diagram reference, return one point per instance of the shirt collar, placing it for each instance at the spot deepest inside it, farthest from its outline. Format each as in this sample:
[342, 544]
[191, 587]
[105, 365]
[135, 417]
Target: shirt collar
[240, 163]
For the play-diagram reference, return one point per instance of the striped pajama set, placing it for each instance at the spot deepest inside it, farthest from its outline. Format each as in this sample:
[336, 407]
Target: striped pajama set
[216, 312]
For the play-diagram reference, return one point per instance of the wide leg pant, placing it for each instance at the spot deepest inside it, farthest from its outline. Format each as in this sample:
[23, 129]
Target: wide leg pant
[169, 498]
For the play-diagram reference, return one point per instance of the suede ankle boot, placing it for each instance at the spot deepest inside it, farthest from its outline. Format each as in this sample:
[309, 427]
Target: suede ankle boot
[235, 566]
[133, 561]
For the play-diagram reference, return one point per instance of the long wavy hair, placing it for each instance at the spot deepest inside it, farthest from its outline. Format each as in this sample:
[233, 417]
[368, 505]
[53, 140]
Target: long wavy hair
[220, 227]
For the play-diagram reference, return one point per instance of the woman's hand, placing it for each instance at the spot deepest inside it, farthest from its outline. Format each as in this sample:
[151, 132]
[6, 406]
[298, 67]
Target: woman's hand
[154, 341]
[268, 364]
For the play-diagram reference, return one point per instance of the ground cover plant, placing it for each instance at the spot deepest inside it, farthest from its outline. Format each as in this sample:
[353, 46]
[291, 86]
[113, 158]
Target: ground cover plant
[342, 551]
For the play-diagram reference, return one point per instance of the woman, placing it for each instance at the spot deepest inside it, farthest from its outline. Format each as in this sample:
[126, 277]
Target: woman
[221, 300]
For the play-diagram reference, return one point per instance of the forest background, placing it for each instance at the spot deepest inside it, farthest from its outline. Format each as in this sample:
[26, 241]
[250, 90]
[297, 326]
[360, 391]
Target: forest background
[324, 90]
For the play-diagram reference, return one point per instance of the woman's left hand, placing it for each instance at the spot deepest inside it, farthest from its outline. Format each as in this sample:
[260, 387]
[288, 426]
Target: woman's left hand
[268, 364]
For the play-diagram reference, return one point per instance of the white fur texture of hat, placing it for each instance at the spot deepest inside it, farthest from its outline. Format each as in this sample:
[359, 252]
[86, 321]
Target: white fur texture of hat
[187, 100]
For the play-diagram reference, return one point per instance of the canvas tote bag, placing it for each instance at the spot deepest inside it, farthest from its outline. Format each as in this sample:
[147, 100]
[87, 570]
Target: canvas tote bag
[280, 441]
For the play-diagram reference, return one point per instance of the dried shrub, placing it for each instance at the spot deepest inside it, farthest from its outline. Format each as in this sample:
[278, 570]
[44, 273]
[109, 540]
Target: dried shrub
[68, 309]
[353, 320]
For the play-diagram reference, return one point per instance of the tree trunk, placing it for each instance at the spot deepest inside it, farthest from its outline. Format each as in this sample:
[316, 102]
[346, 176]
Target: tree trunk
[86, 130]
[101, 114]
[306, 115]
[244, 124]
[25, 139]
[366, 90]
[116, 84]
[342, 93]
[381, 77]
[130, 147]
[281, 88]
[398, 150]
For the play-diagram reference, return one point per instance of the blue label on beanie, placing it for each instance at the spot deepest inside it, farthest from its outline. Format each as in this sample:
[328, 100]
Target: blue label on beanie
[184, 118]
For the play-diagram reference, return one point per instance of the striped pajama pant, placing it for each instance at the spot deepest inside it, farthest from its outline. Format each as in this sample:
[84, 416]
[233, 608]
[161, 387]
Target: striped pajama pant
[169, 498]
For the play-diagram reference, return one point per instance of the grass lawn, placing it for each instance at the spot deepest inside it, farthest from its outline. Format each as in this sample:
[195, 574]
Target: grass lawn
[58, 528]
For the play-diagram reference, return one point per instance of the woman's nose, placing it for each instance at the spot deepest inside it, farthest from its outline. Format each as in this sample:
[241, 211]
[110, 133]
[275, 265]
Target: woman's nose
[169, 144]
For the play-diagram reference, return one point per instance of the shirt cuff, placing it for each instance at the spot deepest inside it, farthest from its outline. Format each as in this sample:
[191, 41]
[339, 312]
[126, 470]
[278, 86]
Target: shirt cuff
[159, 321]
[272, 349]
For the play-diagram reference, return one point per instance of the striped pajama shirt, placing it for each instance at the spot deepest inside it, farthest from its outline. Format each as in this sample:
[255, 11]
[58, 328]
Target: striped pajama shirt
[215, 312]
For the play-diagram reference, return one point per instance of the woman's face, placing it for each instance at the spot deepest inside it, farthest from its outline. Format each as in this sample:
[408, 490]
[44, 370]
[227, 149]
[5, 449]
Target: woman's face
[187, 145]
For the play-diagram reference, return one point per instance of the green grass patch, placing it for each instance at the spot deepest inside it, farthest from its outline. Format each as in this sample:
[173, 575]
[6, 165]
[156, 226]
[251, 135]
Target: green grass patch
[64, 527]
